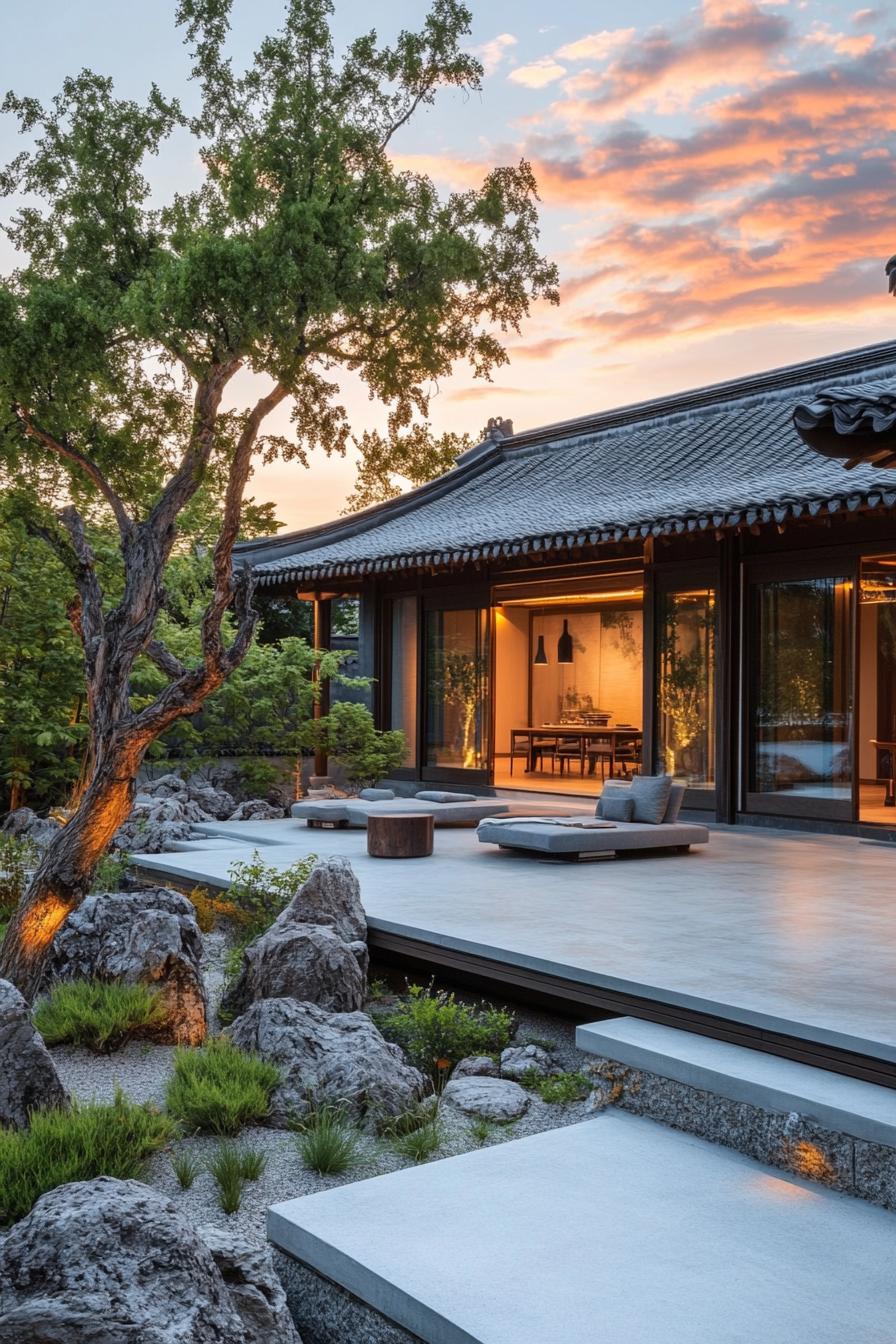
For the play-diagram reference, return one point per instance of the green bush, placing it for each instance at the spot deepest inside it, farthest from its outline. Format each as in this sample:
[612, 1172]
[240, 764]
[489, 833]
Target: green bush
[557, 1088]
[348, 734]
[17, 856]
[109, 872]
[77, 1145]
[218, 1088]
[436, 1031]
[261, 891]
[327, 1141]
[419, 1144]
[99, 1015]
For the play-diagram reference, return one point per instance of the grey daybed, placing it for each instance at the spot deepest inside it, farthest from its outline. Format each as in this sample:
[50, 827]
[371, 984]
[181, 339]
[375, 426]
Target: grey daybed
[636, 817]
[447, 809]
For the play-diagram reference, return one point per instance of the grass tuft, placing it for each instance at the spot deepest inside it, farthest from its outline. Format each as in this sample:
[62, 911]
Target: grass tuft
[420, 1144]
[218, 1088]
[327, 1140]
[98, 1015]
[559, 1089]
[422, 1113]
[79, 1144]
[481, 1131]
[186, 1168]
[227, 1168]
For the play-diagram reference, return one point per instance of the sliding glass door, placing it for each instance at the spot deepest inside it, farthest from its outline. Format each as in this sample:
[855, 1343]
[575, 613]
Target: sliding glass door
[685, 738]
[456, 667]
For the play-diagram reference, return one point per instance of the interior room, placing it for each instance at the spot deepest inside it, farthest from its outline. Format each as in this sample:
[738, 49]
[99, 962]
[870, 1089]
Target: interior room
[569, 687]
[877, 689]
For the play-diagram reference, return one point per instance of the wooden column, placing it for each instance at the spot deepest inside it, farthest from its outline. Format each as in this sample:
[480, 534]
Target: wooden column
[322, 631]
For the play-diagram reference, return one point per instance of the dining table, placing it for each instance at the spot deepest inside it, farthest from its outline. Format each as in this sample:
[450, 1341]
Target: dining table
[585, 734]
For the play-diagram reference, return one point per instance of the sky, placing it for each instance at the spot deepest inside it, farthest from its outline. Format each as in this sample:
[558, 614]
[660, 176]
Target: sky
[717, 184]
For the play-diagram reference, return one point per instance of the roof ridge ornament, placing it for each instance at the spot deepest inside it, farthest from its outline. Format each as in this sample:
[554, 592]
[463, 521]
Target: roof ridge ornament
[498, 429]
[856, 423]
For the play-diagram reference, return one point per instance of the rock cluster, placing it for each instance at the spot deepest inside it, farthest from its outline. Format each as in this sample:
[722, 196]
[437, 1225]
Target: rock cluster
[518, 1060]
[315, 951]
[108, 1261]
[165, 810]
[328, 1057]
[148, 937]
[28, 1077]
[26, 824]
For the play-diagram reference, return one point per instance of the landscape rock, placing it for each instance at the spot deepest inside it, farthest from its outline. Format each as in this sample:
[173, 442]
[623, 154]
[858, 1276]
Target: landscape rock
[113, 1262]
[217, 803]
[166, 786]
[256, 809]
[327, 1057]
[26, 824]
[148, 937]
[497, 1099]
[252, 1283]
[518, 1060]
[151, 837]
[28, 1077]
[475, 1066]
[315, 949]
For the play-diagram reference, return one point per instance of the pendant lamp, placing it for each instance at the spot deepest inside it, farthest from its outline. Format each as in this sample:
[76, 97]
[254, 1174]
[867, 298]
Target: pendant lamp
[564, 645]
[541, 658]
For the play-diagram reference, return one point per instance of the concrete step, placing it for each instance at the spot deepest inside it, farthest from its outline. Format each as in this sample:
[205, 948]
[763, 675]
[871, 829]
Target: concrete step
[863, 1110]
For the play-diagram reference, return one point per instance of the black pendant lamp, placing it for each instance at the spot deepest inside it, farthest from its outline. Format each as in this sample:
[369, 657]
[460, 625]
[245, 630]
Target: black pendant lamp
[541, 658]
[564, 645]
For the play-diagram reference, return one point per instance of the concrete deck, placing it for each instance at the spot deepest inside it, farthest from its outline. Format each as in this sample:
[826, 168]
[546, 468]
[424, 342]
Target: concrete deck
[614, 1229]
[788, 932]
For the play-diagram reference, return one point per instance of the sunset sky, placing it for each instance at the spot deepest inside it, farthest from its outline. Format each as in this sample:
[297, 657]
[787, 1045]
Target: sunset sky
[717, 183]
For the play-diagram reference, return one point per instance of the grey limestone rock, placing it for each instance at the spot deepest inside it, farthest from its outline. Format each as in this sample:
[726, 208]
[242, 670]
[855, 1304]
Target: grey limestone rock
[113, 1262]
[332, 895]
[327, 1057]
[28, 1078]
[518, 1060]
[256, 809]
[491, 1098]
[475, 1066]
[254, 1288]
[148, 937]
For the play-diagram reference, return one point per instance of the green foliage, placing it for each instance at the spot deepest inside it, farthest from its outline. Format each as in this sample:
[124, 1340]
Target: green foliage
[415, 456]
[435, 1030]
[218, 1088]
[480, 1131]
[109, 871]
[186, 1168]
[327, 1141]
[349, 735]
[17, 856]
[101, 1016]
[420, 1144]
[231, 1167]
[406, 1122]
[76, 1145]
[559, 1089]
[262, 890]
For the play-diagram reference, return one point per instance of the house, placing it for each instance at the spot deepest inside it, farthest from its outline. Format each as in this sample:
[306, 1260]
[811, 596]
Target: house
[683, 585]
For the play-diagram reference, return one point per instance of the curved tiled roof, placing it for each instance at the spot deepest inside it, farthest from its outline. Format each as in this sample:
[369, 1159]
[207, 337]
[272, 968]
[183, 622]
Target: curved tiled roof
[714, 458]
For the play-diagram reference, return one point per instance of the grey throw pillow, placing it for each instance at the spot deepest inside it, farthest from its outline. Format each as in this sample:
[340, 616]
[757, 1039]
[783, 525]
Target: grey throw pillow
[376, 795]
[673, 807]
[614, 788]
[650, 794]
[617, 808]
[439, 796]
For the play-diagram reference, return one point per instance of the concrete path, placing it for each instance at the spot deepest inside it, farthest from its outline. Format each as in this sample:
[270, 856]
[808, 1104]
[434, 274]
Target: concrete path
[614, 1229]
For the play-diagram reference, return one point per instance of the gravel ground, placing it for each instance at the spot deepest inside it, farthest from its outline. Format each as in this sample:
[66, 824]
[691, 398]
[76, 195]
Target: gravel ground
[141, 1071]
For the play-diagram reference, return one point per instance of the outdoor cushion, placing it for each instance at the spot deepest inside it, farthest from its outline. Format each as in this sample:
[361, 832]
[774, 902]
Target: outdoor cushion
[614, 788]
[617, 808]
[650, 794]
[673, 807]
[527, 833]
[439, 796]
[321, 809]
[376, 795]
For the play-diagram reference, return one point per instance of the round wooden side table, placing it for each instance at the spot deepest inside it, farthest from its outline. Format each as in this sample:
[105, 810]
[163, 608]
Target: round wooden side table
[399, 835]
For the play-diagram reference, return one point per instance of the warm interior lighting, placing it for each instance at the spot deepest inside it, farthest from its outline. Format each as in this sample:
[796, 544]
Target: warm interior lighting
[573, 599]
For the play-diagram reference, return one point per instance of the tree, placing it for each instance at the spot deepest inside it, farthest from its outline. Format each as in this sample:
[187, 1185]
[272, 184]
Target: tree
[303, 249]
[415, 456]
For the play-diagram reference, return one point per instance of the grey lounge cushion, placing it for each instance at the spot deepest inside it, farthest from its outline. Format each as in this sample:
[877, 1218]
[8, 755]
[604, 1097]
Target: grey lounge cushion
[524, 833]
[616, 808]
[376, 795]
[673, 807]
[650, 794]
[440, 796]
[614, 788]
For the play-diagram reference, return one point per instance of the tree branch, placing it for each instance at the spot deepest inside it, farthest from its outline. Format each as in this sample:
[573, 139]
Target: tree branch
[85, 464]
[164, 659]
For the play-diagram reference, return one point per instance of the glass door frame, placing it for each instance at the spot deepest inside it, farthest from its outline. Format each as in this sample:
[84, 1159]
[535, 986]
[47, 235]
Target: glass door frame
[471, 599]
[793, 568]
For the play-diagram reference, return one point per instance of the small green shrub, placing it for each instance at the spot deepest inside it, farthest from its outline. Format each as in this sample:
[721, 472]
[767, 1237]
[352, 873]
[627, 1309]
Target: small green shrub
[17, 857]
[557, 1088]
[327, 1141]
[227, 1168]
[348, 734]
[98, 1015]
[76, 1145]
[109, 871]
[481, 1131]
[436, 1031]
[217, 1088]
[186, 1168]
[408, 1121]
[420, 1144]
[261, 890]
